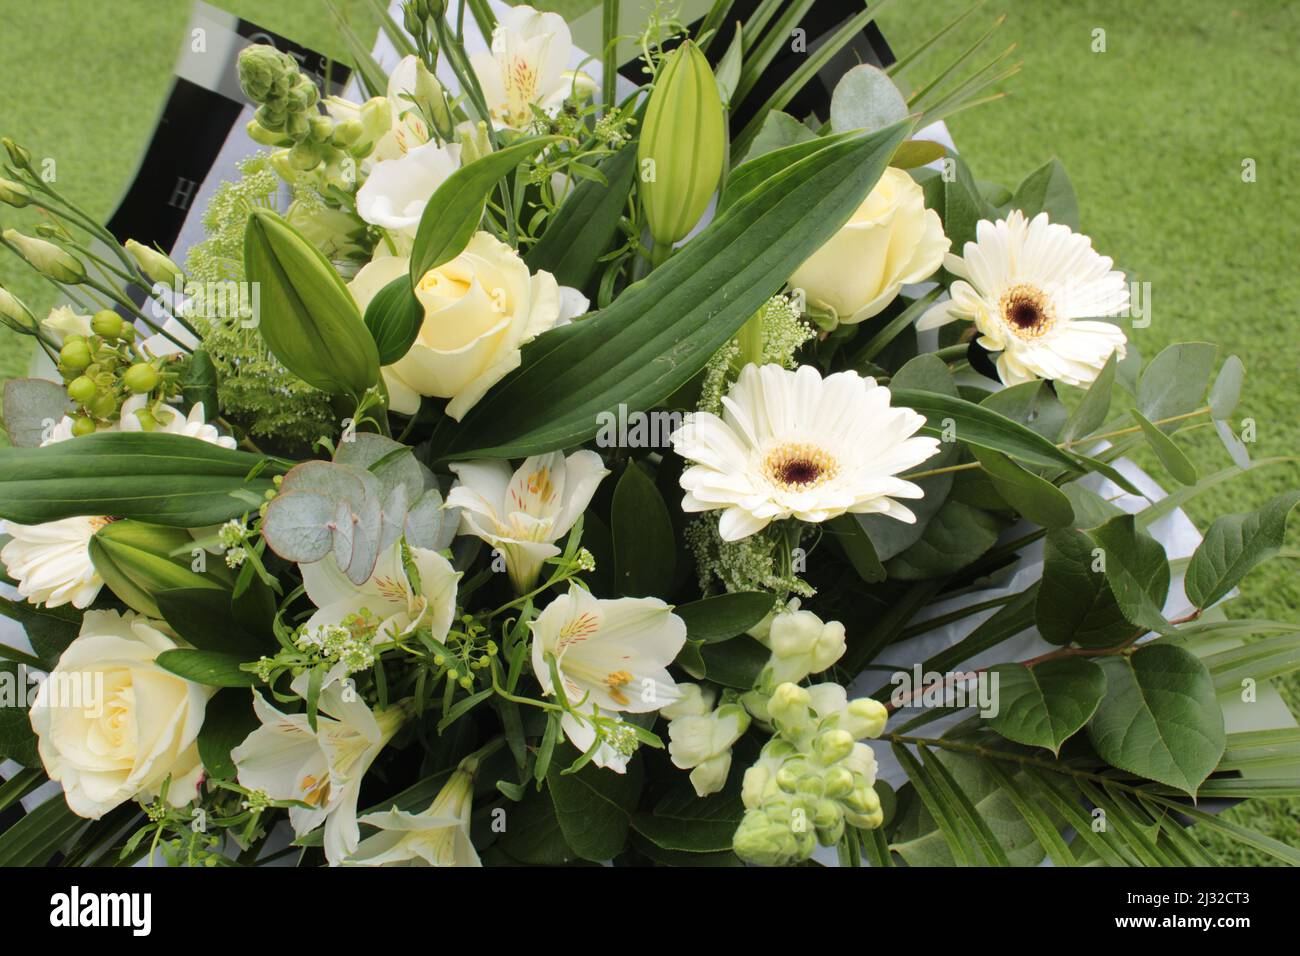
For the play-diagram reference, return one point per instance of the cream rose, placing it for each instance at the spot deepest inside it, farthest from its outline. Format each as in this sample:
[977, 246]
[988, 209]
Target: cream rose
[891, 240]
[479, 309]
[112, 725]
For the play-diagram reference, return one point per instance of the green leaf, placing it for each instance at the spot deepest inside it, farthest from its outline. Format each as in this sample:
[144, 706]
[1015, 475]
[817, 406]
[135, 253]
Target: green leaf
[858, 547]
[1032, 404]
[213, 668]
[1136, 570]
[686, 823]
[866, 98]
[1048, 189]
[533, 835]
[644, 552]
[1075, 603]
[205, 618]
[157, 477]
[1045, 705]
[1036, 498]
[306, 315]
[32, 406]
[17, 739]
[586, 224]
[38, 835]
[394, 317]
[199, 383]
[1226, 392]
[593, 805]
[452, 214]
[49, 629]
[661, 331]
[956, 536]
[227, 721]
[1170, 455]
[1233, 545]
[1212, 821]
[1160, 718]
[1090, 414]
[724, 616]
[778, 132]
[977, 425]
[1174, 382]
[963, 206]
[735, 663]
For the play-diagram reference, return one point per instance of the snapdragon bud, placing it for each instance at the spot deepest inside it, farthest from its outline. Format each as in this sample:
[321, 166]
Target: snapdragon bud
[832, 746]
[264, 70]
[155, 265]
[769, 837]
[47, 259]
[790, 707]
[864, 717]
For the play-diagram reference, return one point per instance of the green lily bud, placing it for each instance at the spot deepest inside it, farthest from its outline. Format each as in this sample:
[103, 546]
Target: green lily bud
[376, 118]
[17, 155]
[15, 194]
[432, 101]
[47, 258]
[262, 68]
[154, 264]
[682, 146]
[307, 316]
[14, 314]
[135, 560]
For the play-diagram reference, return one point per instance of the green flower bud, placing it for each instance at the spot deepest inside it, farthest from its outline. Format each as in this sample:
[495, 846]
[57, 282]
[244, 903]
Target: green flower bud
[862, 799]
[17, 155]
[864, 717]
[103, 406]
[376, 118]
[839, 782]
[82, 389]
[271, 117]
[15, 314]
[75, 354]
[141, 378]
[154, 264]
[304, 156]
[83, 426]
[47, 259]
[262, 68]
[307, 317]
[107, 323]
[135, 560]
[298, 125]
[15, 194]
[682, 145]
[303, 94]
[474, 142]
[265, 136]
[767, 842]
[431, 100]
[790, 706]
[322, 128]
[346, 134]
[832, 746]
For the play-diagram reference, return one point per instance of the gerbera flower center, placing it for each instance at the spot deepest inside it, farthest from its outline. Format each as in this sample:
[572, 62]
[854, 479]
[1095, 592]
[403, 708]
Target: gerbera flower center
[796, 466]
[1027, 310]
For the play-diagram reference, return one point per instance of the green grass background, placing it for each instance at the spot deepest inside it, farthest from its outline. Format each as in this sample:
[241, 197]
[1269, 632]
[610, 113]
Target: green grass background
[1153, 131]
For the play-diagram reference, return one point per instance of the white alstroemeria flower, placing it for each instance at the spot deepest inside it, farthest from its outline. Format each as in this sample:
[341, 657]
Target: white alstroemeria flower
[172, 421]
[397, 190]
[437, 837]
[388, 600]
[617, 746]
[611, 655]
[287, 760]
[528, 67]
[700, 738]
[51, 561]
[524, 514]
[792, 444]
[1036, 291]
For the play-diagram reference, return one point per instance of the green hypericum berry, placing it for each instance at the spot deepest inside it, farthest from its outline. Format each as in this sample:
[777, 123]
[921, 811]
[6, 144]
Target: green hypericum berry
[107, 323]
[83, 426]
[102, 405]
[75, 354]
[140, 378]
[82, 390]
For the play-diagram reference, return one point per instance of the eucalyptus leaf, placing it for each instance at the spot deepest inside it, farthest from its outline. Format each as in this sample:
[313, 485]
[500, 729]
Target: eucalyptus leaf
[1174, 382]
[1036, 498]
[866, 98]
[1170, 455]
[1090, 414]
[956, 536]
[32, 407]
[1226, 391]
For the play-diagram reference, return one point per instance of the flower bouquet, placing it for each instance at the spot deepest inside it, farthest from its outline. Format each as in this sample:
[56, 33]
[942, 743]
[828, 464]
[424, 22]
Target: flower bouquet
[535, 466]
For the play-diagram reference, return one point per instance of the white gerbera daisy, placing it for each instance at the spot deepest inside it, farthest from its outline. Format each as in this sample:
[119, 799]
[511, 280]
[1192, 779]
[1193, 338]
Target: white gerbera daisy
[792, 444]
[1034, 290]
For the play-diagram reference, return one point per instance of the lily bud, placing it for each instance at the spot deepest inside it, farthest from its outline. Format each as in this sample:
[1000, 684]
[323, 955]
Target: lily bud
[15, 194]
[682, 146]
[307, 317]
[47, 258]
[135, 560]
[154, 264]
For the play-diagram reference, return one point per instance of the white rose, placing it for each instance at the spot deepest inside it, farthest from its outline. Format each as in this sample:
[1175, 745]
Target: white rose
[112, 725]
[891, 240]
[479, 309]
[397, 190]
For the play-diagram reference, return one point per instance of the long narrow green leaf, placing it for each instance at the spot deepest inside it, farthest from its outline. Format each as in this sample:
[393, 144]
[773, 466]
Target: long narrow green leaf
[1045, 832]
[1266, 844]
[1119, 819]
[759, 57]
[988, 845]
[1180, 841]
[901, 64]
[661, 331]
[941, 812]
[35, 838]
[876, 848]
[1074, 815]
[19, 785]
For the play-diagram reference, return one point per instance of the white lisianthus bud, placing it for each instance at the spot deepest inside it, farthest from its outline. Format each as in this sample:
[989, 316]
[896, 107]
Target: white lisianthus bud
[154, 264]
[47, 258]
[15, 194]
[14, 314]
